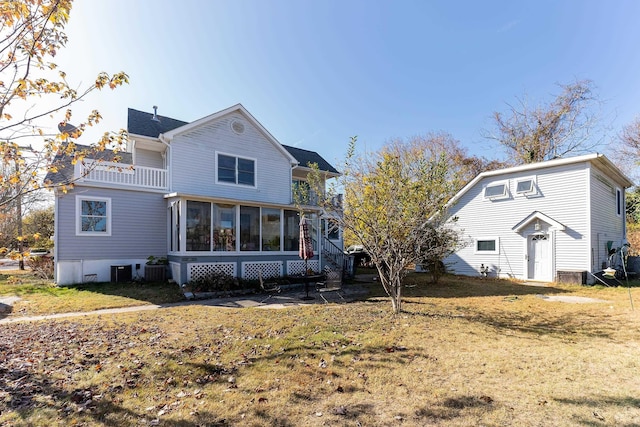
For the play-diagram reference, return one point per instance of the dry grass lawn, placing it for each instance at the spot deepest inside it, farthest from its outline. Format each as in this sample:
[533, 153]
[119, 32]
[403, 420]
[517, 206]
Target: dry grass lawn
[41, 297]
[466, 352]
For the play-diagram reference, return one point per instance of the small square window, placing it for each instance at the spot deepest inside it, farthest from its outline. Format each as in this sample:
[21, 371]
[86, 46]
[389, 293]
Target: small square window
[93, 216]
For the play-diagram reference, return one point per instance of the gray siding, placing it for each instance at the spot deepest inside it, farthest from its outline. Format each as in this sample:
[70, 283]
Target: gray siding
[148, 158]
[139, 226]
[561, 195]
[194, 162]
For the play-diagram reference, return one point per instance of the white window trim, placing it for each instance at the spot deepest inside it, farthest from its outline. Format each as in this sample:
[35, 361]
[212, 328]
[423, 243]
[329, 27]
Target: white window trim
[620, 205]
[531, 192]
[505, 195]
[79, 200]
[494, 252]
[255, 170]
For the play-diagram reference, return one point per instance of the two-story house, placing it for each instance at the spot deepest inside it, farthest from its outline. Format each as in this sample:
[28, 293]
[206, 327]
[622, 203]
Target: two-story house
[541, 221]
[213, 195]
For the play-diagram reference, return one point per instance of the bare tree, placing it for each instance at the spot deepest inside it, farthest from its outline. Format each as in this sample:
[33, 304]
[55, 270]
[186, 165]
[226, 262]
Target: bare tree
[626, 149]
[564, 126]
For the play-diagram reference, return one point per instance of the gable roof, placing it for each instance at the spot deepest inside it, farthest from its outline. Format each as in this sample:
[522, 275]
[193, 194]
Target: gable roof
[537, 215]
[141, 123]
[595, 158]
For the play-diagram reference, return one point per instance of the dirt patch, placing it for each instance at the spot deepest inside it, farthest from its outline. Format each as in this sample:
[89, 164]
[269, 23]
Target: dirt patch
[571, 299]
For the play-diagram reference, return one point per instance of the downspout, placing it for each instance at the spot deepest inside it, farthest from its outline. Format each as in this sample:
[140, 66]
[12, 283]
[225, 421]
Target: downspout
[167, 160]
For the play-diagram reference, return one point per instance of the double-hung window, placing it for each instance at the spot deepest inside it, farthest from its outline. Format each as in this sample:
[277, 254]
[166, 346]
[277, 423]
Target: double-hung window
[93, 216]
[236, 170]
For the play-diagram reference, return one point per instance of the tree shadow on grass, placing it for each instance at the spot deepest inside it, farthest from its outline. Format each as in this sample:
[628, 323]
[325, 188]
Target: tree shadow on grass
[5, 310]
[154, 293]
[452, 407]
[461, 287]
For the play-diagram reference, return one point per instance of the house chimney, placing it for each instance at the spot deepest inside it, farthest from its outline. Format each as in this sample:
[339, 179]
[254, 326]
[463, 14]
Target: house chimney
[155, 114]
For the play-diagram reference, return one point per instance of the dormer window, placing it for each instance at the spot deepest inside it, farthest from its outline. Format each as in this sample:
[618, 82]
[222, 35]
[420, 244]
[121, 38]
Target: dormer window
[497, 190]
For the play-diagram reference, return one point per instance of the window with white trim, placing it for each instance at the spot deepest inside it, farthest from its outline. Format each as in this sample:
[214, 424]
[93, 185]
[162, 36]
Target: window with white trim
[526, 186]
[236, 170]
[619, 202]
[496, 190]
[93, 216]
[487, 245]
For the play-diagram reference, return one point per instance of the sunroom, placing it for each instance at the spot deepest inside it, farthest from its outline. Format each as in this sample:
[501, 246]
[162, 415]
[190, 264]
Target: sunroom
[237, 238]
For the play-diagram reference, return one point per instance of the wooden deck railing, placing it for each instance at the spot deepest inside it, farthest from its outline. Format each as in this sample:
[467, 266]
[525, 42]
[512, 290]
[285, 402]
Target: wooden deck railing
[123, 174]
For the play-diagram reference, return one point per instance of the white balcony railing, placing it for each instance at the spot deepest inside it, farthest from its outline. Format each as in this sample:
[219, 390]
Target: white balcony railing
[122, 174]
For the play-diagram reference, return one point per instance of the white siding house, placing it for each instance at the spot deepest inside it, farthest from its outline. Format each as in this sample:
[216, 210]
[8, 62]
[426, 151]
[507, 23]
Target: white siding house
[536, 221]
[213, 195]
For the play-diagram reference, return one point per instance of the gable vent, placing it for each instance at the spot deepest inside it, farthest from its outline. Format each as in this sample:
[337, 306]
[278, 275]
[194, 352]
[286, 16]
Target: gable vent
[238, 127]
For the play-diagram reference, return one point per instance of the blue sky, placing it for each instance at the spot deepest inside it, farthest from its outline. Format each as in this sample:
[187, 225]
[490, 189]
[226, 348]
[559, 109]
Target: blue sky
[315, 73]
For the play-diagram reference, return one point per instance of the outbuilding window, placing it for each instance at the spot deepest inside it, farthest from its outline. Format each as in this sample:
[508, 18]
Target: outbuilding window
[524, 186]
[487, 245]
[496, 190]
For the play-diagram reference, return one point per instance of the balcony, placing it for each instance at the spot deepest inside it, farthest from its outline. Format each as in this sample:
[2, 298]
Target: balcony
[121, 174]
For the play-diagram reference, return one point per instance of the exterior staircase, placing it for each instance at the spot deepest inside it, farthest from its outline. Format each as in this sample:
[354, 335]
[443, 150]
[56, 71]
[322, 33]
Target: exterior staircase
[334, 259]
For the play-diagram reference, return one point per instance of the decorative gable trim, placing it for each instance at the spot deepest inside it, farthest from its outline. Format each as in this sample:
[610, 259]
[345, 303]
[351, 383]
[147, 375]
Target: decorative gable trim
[536, 215]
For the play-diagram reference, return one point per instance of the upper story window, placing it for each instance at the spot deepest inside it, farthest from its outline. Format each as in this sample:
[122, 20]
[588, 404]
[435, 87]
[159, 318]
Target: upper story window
[236, 170]
[496, 190]
[526, 186]
[93, 216]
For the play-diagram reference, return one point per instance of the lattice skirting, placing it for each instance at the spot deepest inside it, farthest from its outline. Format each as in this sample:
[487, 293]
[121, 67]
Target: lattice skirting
[250, 270]
[295, 267]
[203, 269]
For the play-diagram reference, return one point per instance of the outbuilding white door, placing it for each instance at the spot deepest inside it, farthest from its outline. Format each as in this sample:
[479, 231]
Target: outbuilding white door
[539, 256]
